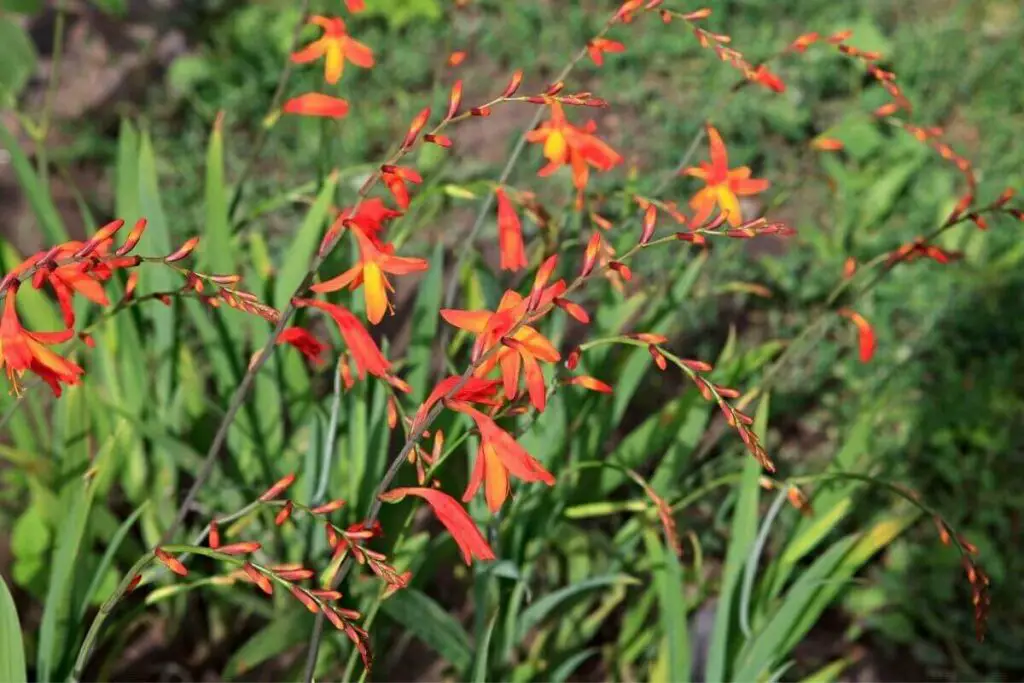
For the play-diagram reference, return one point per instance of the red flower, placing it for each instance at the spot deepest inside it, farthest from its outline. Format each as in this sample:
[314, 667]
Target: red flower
[724, 185]
[335, 46]
[306, 342]
[475, 390]
[499, 456]
[316, 104]
[763, 76]
[355, 6]
[395, 178]
[454, 517]
[865, 334]
[375, 263]
[22, 350]
[598, 46]
[510, 234]
[367, 356]
[369, 216]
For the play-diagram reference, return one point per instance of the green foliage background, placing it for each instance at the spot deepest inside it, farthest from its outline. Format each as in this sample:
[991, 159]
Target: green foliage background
[937, 410]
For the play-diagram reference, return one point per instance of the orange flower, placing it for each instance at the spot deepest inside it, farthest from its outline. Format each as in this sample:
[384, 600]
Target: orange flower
[454, 517]
[306, 342]
[395, 177]
[763, 76]
[865, 334]
[316, 104]
[499, 456]
[84, 277]
[530, 345]
[355, 6]
[510, 234]
[369, 217]
[724, 185]
[564, 144]
[588, 382]
[475, 390]
[374, 263]
[335, 46]
[21, 350]
[365, 352]
[598, 46]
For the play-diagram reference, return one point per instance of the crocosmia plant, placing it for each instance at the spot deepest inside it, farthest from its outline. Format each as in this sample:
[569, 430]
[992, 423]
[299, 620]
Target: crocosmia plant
[463, 422]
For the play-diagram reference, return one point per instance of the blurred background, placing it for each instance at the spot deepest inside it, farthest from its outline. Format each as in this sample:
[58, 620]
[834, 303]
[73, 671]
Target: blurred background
[939, 410]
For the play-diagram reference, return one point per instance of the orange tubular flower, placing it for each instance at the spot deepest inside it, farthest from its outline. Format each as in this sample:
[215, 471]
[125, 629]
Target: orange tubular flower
[21, 350]
[365, 352]
[510, 234]
[475, 390]
[316, 104]
[866, 340]
[531, 345]
[370, 217]
[762, 76]
[598, 46]
[374, 263]
[566, 144]
[396, 177]
[499, 456]
[306, 342]
[454, 517]
[335, 46]
[724, 185]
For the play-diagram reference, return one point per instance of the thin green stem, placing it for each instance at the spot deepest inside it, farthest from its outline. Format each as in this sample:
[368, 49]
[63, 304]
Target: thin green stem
[105, 609]
[42, 163]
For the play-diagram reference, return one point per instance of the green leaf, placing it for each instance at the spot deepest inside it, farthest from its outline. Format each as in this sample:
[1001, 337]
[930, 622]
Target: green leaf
[547, 605]
[668, 580]
[280, 634]
[113, 545]
[156, 241]
[432, 624]
[744, 526]
[12, 652]
[17, 59]
[424, 325]
[119, 7]
[483, 651]
[36, 193]
[55, 633]
[766, 648]
[217, 255]
[21, 6]
[304, 245]
[569, 666]
[882, 195]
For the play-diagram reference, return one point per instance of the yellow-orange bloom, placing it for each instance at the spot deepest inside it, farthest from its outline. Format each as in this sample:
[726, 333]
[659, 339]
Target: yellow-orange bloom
[565, 144]
[499, 456]
[335, 46]
[724, 185]
[530, 345]
[371, 272]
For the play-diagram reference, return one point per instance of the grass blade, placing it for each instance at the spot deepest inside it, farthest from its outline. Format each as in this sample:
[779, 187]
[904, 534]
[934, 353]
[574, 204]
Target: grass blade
[12, 651]
[744, 526]
[303, 247]
[429, 622]
[35, 191]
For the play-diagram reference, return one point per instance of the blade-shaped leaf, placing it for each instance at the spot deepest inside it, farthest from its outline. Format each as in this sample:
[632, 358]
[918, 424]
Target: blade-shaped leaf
[12, 651]
[432, 624]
